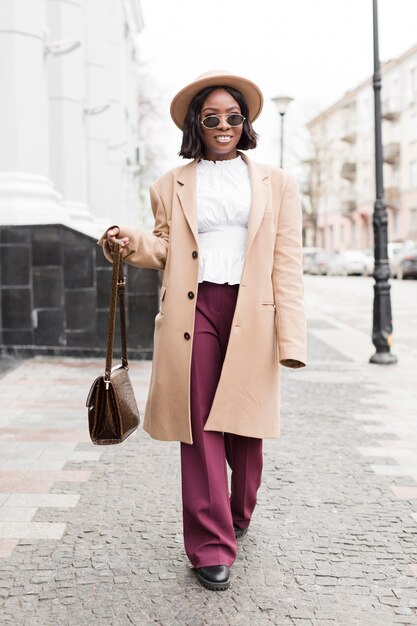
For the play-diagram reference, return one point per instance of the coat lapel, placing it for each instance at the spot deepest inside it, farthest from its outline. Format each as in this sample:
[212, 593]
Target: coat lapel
[259, 181]
[188, 196]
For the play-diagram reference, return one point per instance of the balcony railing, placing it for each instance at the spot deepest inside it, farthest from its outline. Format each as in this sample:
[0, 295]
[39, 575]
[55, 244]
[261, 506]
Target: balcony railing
[392, 153]
[349, 134]
[392, 197]
[391, 109]
[349, 171]
[349, 207]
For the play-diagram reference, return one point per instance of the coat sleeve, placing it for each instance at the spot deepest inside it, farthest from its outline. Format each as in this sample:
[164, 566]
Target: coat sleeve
[288, 280]
[148, 250]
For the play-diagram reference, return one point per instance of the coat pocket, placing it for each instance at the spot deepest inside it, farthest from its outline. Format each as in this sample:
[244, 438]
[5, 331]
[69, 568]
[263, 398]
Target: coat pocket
[162, 292]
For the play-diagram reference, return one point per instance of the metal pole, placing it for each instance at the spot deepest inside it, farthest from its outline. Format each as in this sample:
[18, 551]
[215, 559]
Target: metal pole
[282, 141]
[382, 319]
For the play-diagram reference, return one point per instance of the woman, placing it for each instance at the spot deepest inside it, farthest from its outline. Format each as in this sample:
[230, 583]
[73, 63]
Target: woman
[228, 238]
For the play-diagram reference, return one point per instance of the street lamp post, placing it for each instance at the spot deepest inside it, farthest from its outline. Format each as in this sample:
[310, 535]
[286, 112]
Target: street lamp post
[282, 102]
[382, 319]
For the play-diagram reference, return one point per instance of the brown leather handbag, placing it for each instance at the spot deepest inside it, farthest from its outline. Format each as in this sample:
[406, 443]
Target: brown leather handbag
[112, 410]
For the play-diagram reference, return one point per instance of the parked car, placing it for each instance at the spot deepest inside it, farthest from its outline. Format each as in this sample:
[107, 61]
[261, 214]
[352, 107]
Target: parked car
[407, 265]
[397, 254]
[370, 262]
[396, 251]
[348, 263]
[308, 254]
[319, 264]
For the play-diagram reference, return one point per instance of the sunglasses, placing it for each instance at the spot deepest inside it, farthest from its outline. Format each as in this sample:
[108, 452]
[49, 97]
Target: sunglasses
[212, 121]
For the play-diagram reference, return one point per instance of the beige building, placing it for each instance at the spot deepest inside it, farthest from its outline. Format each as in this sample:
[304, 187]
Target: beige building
[342, 181]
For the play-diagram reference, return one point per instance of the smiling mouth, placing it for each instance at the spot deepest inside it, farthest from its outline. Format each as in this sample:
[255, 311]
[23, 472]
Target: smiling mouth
[223, 138]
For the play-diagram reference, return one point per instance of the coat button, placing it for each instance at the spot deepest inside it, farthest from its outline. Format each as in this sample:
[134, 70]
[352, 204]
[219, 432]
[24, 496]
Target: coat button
[187, 336]
[190, 295]
[194, 254]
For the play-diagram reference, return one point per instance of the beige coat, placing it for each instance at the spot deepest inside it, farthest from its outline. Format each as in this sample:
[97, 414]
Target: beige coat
[269, 322]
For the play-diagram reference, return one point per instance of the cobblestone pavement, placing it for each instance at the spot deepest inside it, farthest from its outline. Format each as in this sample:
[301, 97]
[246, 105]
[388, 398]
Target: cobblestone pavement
[92, 536]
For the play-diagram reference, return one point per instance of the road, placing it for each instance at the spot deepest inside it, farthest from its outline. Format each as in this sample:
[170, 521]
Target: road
[348, 302]
[92, 536]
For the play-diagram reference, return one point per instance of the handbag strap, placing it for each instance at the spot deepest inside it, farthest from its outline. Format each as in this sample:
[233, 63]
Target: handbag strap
[118, 284]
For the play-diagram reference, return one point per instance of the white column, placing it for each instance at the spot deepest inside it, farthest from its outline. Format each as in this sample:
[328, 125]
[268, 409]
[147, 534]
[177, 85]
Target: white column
[66, 71]
[27, 194]
[112, 133]
[133, 25]
[117, 141]
[97, 113]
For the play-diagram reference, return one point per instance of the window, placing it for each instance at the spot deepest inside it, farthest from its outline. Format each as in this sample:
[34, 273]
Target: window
[367, 181]
[365, 113]
[395, 134]
[413, 173]
[331, 241]
[394, 89]
[412, 229]
[368, 148]
[413, 127]
[353, 235]
[412, 84]
[395, 223]
[391, 97]
[367, 190]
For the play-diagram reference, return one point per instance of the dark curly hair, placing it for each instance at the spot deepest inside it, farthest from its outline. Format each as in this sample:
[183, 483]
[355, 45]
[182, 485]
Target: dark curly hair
[192, 146]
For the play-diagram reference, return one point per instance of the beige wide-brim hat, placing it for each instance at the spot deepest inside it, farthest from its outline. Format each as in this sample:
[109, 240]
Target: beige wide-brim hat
[216, 78]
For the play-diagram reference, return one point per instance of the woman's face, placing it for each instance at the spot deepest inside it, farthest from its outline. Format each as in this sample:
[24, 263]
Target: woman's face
[220, 142]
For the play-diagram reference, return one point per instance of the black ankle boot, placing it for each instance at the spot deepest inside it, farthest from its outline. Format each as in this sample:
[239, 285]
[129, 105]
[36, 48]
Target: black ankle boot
[240, 532]
[214, 577]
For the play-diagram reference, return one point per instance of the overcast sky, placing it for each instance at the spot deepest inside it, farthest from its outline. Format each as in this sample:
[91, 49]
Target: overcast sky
[312, 50]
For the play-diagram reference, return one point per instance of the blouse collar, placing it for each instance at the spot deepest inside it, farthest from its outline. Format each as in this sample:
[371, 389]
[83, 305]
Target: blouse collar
[224, 164]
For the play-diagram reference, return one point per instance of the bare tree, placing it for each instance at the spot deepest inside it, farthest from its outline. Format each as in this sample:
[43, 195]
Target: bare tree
[310, 158]
[149, 120]
[314, 181]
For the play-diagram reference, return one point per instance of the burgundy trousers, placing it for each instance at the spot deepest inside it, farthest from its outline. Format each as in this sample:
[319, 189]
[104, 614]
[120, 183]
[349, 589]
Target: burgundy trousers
[209, 512]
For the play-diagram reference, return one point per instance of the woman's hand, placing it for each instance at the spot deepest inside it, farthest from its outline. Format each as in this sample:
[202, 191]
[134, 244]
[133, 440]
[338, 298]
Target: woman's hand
[112, 238]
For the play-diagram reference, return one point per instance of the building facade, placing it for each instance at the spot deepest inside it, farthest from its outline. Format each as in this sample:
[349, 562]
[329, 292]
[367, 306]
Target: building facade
[69, 112]
[342, 189]
[69, 168]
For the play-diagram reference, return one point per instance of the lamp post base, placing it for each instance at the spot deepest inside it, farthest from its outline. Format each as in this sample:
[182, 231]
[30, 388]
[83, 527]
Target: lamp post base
[383, 358]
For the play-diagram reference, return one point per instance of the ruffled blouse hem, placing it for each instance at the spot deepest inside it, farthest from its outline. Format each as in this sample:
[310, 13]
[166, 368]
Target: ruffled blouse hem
[221, 266]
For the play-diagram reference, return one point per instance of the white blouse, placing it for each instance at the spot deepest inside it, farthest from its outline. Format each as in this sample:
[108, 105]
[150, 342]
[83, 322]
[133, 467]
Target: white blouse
[223, 203]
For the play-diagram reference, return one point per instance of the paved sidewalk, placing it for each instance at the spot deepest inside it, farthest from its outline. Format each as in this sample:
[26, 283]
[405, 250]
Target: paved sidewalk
[92, 536]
